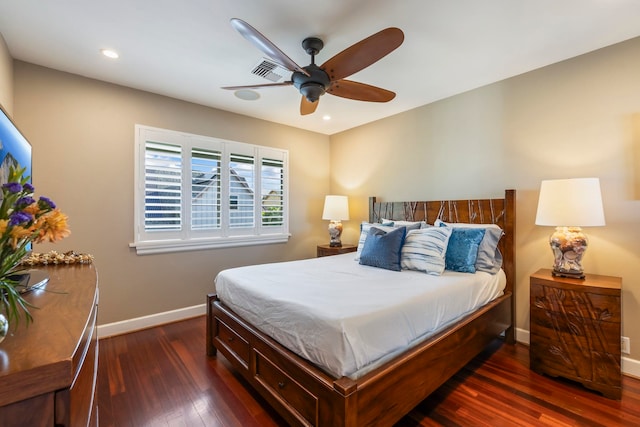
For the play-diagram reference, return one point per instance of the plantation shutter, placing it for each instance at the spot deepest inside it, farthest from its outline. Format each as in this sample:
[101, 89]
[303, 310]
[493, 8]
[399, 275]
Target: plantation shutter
[272, 180]
[241, 191]
[206, 192]
[163, 187]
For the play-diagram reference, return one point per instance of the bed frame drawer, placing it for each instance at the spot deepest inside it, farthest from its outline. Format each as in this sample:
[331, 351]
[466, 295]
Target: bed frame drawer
[286, 389]
[236, 346]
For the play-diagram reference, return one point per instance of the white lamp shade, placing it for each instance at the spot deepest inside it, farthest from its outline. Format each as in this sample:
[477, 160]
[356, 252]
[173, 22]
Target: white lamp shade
[570, 202]
[336, 208]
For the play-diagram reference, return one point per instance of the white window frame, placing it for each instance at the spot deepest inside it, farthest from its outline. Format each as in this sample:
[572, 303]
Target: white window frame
[186, 239]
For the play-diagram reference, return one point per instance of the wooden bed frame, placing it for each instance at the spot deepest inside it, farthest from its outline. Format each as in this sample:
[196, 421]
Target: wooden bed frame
[306, 396]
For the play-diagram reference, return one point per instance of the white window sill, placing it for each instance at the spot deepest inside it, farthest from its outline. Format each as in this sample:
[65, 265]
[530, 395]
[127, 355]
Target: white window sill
[167, 246]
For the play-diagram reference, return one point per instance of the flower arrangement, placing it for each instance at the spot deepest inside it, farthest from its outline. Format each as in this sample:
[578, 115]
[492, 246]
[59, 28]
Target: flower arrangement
[23, 221]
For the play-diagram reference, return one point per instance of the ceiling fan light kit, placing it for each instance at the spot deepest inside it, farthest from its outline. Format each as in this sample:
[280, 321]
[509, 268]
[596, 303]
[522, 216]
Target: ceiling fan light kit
[314, 81]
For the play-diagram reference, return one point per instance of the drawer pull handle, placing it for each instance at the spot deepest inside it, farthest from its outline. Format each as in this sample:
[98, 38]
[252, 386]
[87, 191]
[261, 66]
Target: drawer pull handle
[281, 384]
[230, 339]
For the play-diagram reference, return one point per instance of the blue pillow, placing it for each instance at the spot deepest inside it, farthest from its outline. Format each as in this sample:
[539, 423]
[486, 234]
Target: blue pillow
[462, 249]
[382, 249]
[364, 232]
[489, 256]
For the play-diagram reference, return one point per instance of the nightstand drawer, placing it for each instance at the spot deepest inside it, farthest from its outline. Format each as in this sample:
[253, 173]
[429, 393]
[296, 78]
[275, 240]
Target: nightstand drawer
[558, 329]
[582, 304]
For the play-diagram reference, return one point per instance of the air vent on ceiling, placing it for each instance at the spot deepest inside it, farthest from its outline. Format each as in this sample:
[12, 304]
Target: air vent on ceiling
[270, 70]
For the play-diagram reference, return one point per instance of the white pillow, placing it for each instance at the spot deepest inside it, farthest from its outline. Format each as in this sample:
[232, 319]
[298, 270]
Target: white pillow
[425, 250]
[411, 225]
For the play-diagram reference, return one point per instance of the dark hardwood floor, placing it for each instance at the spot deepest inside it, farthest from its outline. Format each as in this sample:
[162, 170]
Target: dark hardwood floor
[162, 377]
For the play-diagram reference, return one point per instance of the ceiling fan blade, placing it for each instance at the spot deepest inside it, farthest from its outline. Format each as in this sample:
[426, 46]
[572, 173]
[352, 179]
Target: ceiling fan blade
[360, 91]
[259, 86]
[364, 53]
[265, 45]
[308, 107]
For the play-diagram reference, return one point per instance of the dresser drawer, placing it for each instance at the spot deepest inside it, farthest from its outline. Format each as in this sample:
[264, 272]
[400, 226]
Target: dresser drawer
[286, 389]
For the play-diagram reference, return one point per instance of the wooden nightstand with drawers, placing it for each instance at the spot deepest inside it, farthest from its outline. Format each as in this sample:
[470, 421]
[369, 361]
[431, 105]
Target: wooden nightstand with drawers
[575, 329]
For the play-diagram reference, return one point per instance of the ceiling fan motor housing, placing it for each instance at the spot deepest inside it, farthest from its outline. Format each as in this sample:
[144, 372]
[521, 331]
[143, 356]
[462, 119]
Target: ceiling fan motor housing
[312, 86]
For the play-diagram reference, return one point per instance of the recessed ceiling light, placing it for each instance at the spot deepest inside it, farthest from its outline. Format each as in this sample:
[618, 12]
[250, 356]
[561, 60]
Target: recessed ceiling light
[110, 53]
[247, 95]
[326, 117]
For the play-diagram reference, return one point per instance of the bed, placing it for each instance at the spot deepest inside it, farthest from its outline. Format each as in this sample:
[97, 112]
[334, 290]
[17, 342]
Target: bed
[308, 394]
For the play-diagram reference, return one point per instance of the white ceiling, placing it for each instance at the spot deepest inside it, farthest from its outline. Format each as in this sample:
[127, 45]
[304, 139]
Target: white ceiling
[187, 49]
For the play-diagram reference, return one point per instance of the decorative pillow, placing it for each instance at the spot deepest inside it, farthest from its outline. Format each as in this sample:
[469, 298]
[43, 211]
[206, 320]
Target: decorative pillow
[364, 232]
[382, 249]
[425, 249]
[462, 249]
[489, 256]
[411, 225]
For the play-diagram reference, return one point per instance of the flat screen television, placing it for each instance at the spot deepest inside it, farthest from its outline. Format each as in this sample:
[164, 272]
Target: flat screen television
[15, 150]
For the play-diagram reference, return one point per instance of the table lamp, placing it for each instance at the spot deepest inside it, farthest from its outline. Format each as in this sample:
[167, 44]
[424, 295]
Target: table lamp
[568, 205]
[336, 209]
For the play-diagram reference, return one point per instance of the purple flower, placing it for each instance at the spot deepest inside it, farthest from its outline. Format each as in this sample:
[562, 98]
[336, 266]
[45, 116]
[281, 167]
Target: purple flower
[12, 187]
[17, 218]
[23, 202]
[29, 188]
[46, 203]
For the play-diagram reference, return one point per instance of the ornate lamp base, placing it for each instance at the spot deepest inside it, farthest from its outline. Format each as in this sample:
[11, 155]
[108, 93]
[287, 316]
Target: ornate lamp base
[568, 245]
[335, 231]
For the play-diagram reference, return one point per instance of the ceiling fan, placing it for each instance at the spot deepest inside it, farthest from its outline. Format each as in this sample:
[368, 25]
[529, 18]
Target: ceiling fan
[313, 81]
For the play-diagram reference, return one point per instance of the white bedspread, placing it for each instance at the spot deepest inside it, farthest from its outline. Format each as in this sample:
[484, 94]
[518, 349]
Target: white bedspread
[348, 318]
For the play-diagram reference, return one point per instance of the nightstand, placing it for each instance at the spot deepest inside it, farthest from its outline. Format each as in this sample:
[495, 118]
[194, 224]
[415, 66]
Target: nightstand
[575, 329]
[326, 250]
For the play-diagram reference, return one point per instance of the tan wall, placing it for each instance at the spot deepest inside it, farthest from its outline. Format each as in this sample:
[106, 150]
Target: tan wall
[82, 132]
[578, 118]
[6, 77]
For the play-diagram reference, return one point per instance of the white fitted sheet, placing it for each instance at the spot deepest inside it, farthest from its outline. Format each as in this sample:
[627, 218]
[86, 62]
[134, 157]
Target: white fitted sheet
[347, 318]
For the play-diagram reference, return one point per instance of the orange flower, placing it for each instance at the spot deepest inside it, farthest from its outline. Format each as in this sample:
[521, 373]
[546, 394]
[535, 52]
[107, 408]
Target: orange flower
[53, 227]
[33, 209]
[3, 225]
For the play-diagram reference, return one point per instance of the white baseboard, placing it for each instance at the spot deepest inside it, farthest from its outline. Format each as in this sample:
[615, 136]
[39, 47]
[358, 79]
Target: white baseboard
[126, 326]
[629, 366]
[522, 336]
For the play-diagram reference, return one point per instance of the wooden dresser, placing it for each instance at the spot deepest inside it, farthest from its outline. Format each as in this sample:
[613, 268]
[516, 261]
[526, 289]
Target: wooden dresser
[48, 371]
[575, 329]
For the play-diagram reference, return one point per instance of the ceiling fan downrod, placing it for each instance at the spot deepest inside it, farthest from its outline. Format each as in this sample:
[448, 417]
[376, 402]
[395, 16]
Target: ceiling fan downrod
[316, 83]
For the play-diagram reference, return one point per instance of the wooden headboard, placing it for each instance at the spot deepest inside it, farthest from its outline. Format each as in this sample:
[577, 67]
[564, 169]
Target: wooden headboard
[476, 211]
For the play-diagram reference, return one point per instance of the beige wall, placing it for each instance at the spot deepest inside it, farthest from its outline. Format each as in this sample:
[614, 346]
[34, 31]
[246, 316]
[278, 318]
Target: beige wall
[578, 118]
[6, 77]
[82, 132]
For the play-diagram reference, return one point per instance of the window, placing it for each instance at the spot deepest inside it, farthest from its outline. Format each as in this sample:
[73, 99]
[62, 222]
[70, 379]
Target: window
[196, 192]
